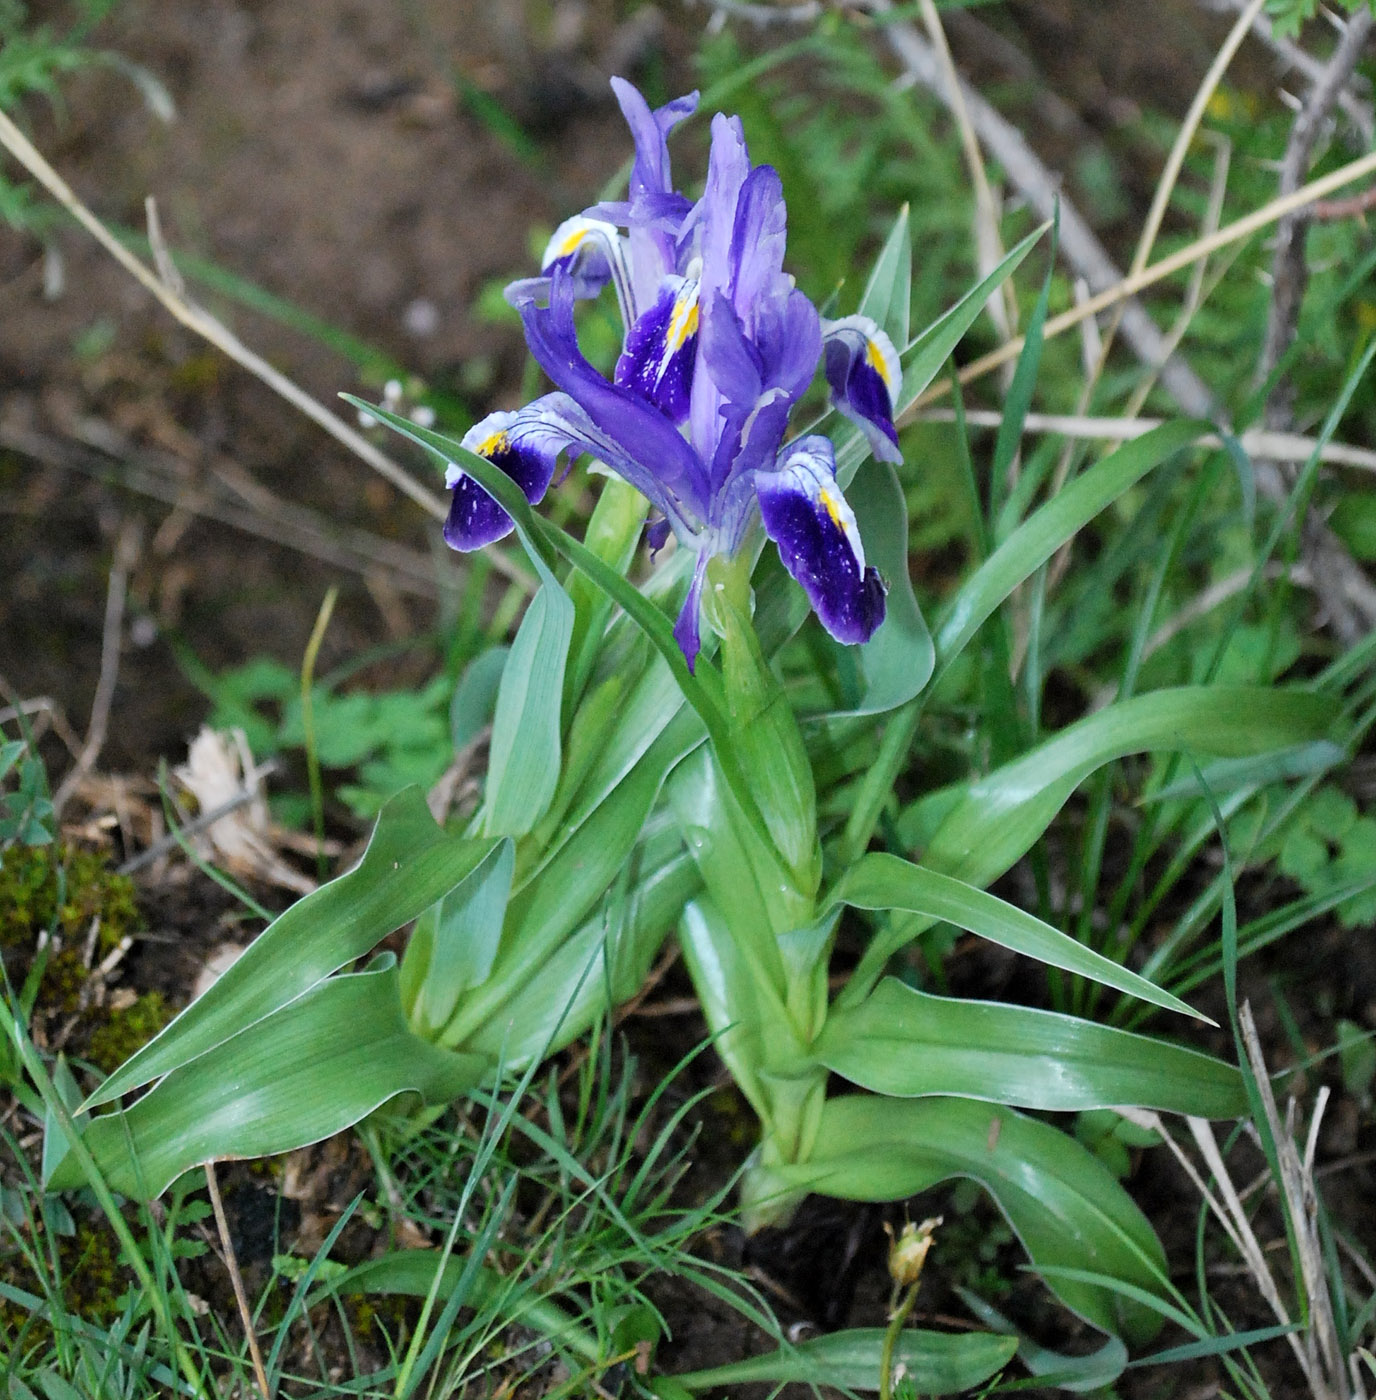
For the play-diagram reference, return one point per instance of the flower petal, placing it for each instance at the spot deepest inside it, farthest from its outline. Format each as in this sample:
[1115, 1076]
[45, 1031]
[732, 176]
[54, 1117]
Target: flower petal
[807, 517]
[688, 626]
[525, 445]
[646, 449]
[650, 173]
[864, 373]
[661, 349]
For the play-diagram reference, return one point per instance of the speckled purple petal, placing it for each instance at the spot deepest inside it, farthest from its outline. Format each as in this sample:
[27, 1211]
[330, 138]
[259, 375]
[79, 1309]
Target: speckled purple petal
[525, 445]
[807, 517]
[863, 371]
[661, 349]
[649, 451]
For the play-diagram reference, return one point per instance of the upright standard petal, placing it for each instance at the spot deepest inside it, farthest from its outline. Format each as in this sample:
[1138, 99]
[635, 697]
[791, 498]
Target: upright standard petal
[864, 373]
[650, 173]
[807, 517]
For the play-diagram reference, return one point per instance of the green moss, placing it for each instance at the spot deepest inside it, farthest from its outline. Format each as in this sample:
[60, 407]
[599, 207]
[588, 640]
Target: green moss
[127, 1031]
[62, 888]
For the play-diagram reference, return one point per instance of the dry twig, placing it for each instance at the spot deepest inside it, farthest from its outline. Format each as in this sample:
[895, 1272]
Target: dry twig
[235, 1278]
[126, 551]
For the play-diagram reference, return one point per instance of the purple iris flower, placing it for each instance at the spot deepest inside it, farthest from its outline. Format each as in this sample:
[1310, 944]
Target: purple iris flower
[719, 347]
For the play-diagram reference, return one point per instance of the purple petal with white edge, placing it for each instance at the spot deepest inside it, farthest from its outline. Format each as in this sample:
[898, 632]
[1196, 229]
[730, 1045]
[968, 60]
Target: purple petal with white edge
[807, 517]
[661, 349]
[639, 443]
[525, 445]
[688, 627]
[864, 373]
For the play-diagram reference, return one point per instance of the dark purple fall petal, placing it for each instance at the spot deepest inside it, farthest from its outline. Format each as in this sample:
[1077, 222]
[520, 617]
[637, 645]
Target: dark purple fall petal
[661, 349]
[863, 372]
[521, 444]
[667, 470]
[807, 517]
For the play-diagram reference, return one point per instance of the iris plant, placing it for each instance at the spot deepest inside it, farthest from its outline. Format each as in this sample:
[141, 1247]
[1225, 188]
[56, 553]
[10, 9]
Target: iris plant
[719, 346]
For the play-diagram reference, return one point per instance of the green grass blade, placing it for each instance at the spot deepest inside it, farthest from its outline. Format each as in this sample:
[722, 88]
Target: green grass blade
[1050, 527]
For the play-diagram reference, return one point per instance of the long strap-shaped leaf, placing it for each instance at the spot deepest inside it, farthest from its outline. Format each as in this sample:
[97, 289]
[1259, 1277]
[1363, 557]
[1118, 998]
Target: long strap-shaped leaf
[410, 863]
[991, 822]
[1063, 1204]
[906, 1043]
[880, 881]
[311, 1069]
[1048, 528]
[933, 1363]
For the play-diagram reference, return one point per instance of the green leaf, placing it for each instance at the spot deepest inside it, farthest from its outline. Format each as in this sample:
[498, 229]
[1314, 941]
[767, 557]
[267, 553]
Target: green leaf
[905, 1043]
[524, 754]
[475, 697]
[888, 294]
[1051, 526]
[461, 935]
[553, 900]
[897, 661]
[935, 1363]
[1067, 1210]
[599, 965]
[307, 1071]
[409, 864]
[982, 827]
[880, 881]
[924, 357]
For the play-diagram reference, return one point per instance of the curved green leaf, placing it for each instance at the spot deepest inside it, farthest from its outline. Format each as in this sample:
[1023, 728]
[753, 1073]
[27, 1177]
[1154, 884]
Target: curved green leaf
[880, 881]
[934, 1363]
[523, 762]
[410, 863]
[309, 1070]
[991, 822]
[905, 1043]
[455, 941]
[1051, 526]
[1062, 1203]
